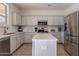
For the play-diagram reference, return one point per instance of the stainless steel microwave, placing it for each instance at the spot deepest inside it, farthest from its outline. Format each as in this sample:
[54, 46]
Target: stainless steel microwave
[42, 22]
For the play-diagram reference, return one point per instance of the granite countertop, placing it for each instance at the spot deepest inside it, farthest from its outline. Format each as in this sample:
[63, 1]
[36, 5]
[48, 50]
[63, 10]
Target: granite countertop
[44, 36]
[3, 36]
[9, 34]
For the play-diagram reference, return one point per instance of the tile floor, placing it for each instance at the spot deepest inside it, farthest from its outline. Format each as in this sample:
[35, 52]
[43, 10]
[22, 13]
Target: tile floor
[26, 50]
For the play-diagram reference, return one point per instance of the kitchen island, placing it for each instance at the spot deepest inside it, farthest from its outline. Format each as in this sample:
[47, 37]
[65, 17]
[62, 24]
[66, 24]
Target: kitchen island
[44, 44]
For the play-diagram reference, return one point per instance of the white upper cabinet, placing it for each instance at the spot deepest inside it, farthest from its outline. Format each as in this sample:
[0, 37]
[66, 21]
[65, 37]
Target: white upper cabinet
[55, 20]
[50, 21]
[61, 20]
[29, 20]
[24, 21]
[42, 18]
[33, 20]
[16, 20]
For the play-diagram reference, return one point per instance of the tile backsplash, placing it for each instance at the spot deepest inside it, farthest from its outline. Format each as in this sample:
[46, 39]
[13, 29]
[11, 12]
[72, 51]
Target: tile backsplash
[32, 28]
[29, 29]
[1, 30]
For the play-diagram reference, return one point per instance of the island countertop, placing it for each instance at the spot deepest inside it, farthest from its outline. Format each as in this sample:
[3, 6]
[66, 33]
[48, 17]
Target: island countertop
[44, 36]
[44, 44]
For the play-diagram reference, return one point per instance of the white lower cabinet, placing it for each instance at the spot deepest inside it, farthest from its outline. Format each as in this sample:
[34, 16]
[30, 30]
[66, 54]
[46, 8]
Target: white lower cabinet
[59, 36]
[16, 41]
[33, 34]
[12, 43]
[18, 36]
[28, 37]
[22, 38]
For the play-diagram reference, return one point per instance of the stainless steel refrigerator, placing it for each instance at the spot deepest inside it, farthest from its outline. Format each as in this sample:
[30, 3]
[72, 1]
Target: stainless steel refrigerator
[71, 42]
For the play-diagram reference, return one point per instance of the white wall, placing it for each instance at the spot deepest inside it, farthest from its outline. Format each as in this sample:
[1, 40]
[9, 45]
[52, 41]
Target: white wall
[71, 9]
[41, 12]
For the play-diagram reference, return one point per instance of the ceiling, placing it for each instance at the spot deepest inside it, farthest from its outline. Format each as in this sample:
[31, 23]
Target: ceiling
[53, 6]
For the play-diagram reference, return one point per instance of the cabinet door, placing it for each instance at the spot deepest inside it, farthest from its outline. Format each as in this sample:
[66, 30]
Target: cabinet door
[33, 34]
[29, 20]
[12, 44]
[55, 20]
[24, 20]
[21, 38]
[28, 38]
[50, 21]
[58, 35]
[33, 20]
[18, 40]
[60, 20]
[22, 41]
[17, 43]
[40, 18]
[16, 19]
[45, 18]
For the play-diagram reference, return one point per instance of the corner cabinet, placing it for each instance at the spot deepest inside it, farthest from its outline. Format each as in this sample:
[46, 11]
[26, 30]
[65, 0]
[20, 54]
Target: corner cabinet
[16, 18]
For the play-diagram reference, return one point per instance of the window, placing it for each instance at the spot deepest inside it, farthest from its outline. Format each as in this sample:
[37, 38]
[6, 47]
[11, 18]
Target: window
[2, 14]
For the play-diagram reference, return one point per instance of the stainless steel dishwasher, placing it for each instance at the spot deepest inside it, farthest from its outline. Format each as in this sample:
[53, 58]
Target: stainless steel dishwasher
[4, 46]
